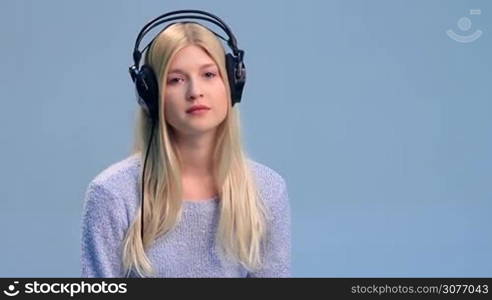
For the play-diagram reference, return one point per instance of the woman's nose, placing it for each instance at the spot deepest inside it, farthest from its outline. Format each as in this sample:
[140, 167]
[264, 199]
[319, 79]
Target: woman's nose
[194, 90]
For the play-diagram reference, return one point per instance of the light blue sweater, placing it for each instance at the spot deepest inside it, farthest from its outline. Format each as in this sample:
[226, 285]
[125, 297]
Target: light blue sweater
[110, 204]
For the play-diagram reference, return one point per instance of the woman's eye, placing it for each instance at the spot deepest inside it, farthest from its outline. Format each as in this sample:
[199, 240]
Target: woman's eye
[177, 79]
[174, 80]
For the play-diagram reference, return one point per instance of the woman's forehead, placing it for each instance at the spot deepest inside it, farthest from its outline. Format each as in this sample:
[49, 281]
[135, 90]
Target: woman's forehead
[191, 58]
[199, 67]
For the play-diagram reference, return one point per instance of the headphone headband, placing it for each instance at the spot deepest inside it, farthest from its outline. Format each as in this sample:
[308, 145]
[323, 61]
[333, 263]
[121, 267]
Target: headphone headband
[158, 21]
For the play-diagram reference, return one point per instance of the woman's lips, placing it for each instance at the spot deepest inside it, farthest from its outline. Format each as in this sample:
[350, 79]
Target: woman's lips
[199, 111]
[197, 106]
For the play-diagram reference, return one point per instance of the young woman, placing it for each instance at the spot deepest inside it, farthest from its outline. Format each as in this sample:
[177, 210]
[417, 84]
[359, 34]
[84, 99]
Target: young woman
[210, 211]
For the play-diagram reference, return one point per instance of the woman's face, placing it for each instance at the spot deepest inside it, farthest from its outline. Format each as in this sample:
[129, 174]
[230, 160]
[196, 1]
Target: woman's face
[194, 79]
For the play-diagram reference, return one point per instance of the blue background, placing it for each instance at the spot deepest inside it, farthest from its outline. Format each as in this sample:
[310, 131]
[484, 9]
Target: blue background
[379, 122]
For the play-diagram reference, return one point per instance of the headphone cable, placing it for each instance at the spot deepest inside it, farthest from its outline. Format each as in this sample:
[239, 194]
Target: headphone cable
[143, 181]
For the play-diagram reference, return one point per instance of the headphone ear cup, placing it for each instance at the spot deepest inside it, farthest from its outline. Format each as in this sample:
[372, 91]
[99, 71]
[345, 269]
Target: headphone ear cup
[148, 90]
[236, 82]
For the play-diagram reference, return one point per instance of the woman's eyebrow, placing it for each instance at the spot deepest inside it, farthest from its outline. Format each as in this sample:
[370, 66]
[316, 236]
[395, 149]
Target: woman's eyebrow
[201, 67]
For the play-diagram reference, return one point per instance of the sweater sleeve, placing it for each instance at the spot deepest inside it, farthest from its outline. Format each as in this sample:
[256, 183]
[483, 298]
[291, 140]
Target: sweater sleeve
[102, 234]
[277, 255]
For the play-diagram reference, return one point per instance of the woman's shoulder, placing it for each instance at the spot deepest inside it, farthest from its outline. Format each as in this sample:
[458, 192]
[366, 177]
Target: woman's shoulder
[265, 174]
[270, 182]
[120, 177]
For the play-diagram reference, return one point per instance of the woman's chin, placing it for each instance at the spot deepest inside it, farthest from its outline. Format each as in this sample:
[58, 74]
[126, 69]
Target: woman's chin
[200, 130]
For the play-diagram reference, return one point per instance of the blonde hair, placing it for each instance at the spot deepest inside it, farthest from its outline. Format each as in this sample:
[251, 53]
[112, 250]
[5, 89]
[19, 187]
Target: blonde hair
[242, 224]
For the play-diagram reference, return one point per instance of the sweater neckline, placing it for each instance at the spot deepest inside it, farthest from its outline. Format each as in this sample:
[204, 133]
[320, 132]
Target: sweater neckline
[206, 201]
[200, 202]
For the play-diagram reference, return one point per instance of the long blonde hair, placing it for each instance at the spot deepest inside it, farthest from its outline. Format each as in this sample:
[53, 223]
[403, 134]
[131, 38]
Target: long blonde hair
[242, 224]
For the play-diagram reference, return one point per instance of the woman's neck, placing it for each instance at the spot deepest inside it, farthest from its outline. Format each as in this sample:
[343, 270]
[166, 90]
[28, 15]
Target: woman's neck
[196, 155]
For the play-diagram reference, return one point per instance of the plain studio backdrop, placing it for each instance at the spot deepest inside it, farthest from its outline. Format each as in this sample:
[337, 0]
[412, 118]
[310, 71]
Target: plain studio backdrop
[379, 121]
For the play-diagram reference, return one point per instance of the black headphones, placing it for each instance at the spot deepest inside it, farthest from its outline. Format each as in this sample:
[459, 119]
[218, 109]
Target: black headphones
[146, 81]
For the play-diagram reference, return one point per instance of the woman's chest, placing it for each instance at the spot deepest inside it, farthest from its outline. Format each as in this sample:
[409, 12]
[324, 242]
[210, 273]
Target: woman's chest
[192, 250]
